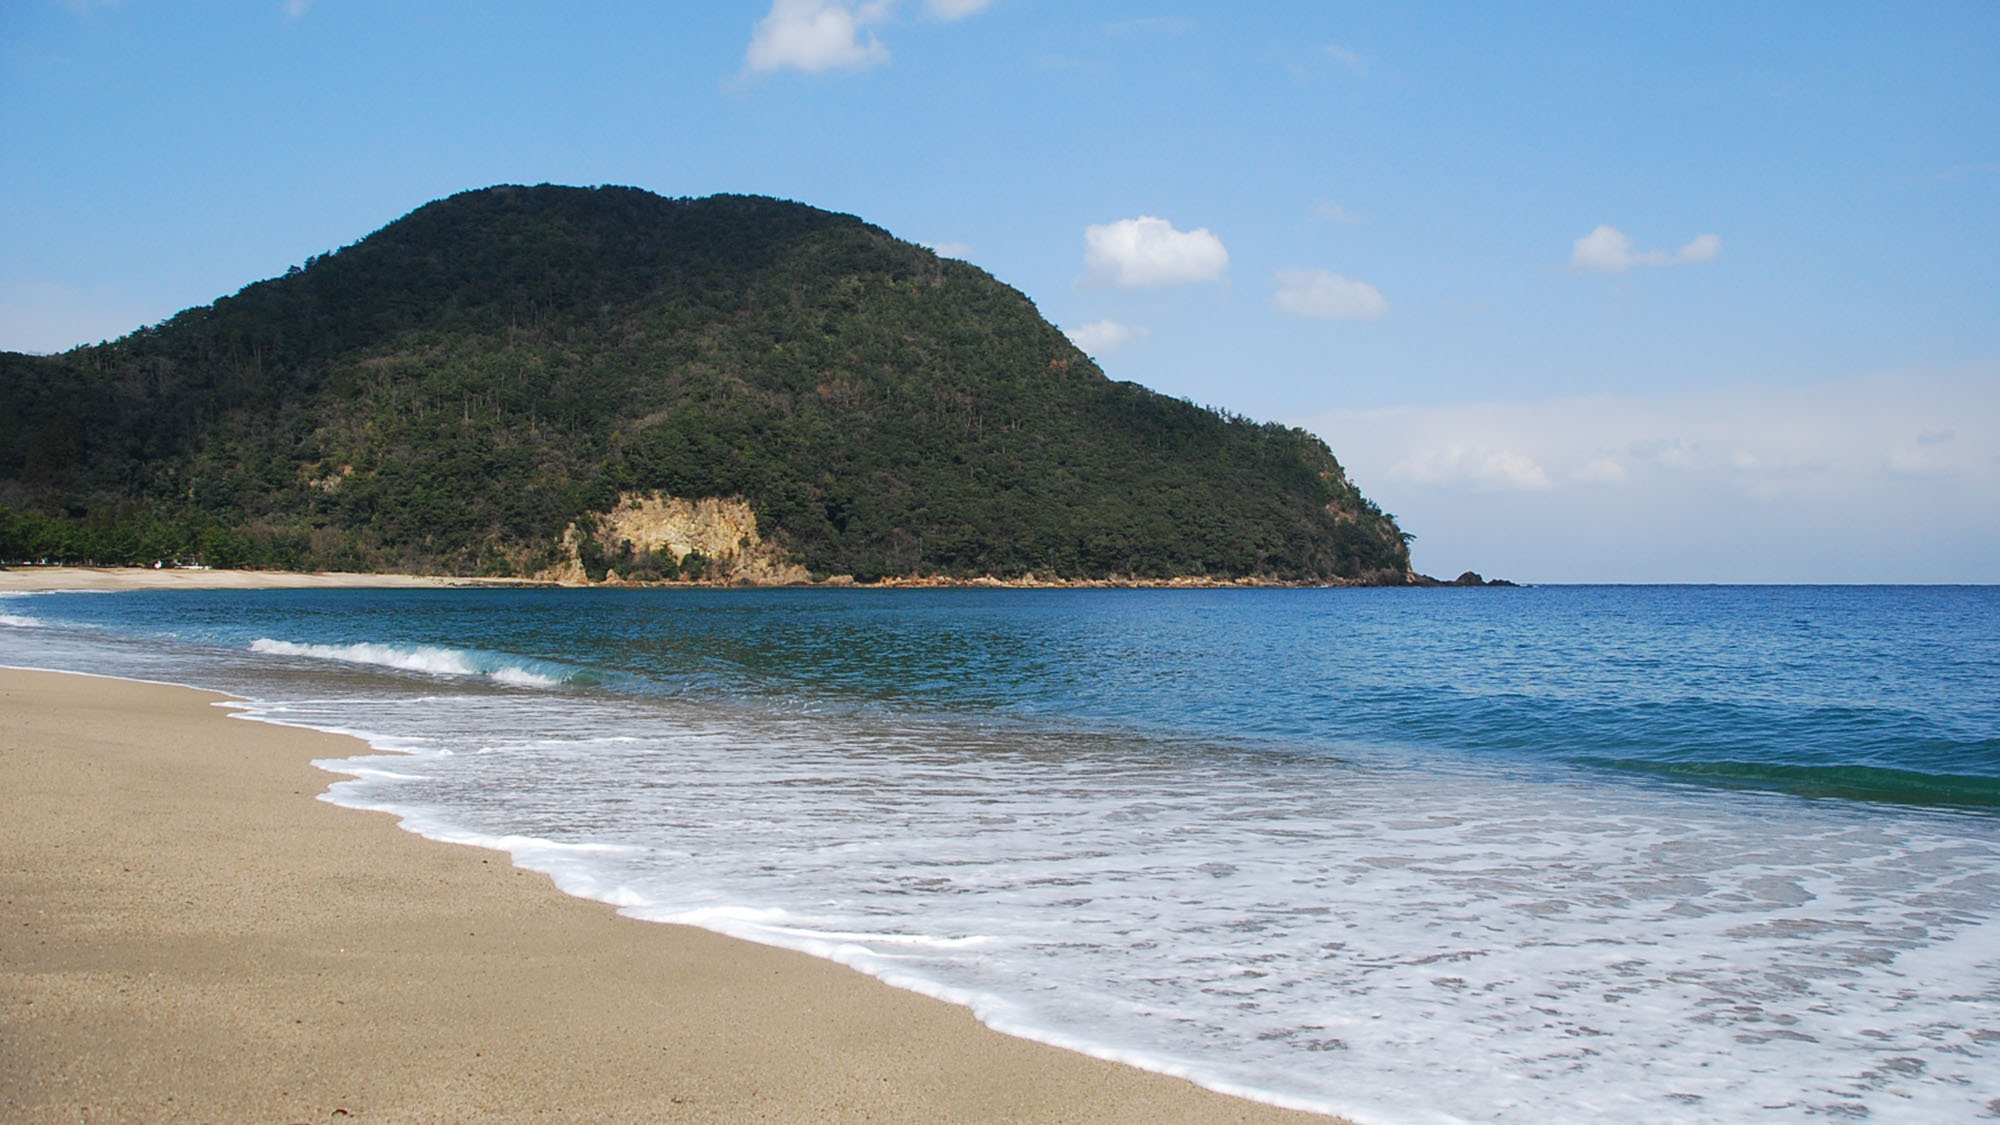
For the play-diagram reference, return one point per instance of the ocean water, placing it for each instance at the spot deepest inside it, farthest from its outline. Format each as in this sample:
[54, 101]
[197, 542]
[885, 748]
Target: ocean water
[1550, 854]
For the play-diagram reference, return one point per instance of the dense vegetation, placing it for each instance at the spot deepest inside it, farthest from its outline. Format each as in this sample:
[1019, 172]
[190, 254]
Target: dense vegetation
[451, 392]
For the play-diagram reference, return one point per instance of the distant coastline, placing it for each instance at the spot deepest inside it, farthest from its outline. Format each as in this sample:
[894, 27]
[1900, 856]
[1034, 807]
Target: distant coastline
[32, 579]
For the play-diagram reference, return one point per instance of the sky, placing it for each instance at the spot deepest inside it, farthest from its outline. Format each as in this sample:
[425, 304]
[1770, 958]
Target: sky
[1580, 292]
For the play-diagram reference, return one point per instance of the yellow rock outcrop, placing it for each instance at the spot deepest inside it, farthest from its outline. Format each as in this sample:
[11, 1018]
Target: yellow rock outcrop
[722, 530]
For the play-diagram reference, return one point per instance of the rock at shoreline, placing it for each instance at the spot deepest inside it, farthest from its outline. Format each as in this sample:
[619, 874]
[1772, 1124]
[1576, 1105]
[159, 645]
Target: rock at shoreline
[1469, 578]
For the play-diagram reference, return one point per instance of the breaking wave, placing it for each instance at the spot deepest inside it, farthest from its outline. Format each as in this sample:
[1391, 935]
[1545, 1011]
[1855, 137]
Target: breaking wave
[428, 659]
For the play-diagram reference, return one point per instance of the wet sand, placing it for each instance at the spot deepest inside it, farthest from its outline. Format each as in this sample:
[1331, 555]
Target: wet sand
[187, 935]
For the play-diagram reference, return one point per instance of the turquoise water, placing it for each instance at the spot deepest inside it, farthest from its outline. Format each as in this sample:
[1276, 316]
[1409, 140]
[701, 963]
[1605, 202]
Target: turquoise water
[1667, 853]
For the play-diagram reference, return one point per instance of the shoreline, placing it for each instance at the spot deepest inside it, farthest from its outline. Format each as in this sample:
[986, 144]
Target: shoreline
[193, 936]
[51, 579]
[45, 579]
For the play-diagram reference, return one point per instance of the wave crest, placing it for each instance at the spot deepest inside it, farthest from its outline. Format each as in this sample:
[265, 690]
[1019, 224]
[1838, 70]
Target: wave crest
[429, 659]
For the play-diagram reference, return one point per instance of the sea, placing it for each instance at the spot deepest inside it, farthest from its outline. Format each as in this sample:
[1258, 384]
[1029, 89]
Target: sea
[1545, 854]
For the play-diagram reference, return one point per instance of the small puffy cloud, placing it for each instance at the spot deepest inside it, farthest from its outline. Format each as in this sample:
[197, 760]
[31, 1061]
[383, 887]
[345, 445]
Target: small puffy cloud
[1604, 250]
[1319, 295]
[1105, 336]
[816, 36]
[1609, 250]
[296, 9]
[1147, 252]
[822, 35]
[1481, 466]
[1704, 248]
[957, 250]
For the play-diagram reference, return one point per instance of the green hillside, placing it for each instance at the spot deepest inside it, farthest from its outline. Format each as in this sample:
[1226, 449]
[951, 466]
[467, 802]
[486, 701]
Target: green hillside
[453, 391]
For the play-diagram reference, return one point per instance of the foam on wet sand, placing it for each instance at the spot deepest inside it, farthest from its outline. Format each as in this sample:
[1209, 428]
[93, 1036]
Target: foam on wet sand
[189, 935]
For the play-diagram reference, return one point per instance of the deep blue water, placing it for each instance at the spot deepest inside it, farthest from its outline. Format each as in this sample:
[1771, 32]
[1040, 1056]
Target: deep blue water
[1668, 853]
[1890, 693]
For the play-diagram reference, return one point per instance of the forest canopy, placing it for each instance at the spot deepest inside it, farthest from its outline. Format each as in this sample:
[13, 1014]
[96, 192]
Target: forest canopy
[451, 393]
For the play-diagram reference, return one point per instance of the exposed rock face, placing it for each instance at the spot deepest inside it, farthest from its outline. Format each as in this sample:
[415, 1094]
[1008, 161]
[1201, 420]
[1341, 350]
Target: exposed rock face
[722, 530]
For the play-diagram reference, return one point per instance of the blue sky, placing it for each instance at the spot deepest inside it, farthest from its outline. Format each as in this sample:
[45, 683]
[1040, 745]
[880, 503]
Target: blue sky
[1633, 292]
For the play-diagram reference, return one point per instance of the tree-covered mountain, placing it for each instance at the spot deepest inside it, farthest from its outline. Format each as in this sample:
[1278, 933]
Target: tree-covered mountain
[453, 392]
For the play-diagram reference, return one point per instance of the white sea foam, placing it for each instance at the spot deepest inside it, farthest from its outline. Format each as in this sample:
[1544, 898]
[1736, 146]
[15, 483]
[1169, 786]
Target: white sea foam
[1387, 945]
[16, 620]
[420, 658]
[521, 677]
[1395, 940]
[384, 775]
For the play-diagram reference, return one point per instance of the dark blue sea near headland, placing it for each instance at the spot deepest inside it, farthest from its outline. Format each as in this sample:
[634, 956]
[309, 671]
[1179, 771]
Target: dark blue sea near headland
[1547, 854]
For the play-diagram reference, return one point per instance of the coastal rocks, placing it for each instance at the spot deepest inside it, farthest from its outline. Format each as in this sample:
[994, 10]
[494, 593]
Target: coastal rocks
[713, 540]
[1469, 578]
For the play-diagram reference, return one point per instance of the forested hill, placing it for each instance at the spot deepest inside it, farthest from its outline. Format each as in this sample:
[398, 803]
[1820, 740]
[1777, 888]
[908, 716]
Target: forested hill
[453, 392]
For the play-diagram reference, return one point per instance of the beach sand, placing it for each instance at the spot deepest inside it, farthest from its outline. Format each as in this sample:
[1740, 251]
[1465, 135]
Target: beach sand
[187, 935]
[22, 579]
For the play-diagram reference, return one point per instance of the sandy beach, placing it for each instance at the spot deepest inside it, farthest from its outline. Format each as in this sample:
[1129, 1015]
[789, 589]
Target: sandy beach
[190, 936]
[35, 578]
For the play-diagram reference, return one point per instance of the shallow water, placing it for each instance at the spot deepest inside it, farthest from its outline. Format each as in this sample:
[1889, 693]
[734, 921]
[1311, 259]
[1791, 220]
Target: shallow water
[1550, 854]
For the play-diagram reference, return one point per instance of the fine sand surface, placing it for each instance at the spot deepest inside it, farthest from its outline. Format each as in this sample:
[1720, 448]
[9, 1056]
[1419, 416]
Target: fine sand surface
[31, 578]
[187, 935]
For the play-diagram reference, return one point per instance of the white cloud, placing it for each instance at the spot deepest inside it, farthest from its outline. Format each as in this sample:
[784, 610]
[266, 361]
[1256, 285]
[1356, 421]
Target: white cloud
[1605, 250]
[1704, 248]
[1879, 479]
[1480, 466]
[1147, 252]
[296, 9]
[1105, 336]
[953, 9]
[816, 36]
[957, 250]
[1609, 250]
[1319, 295]
[822, 35]
[1603, 470]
